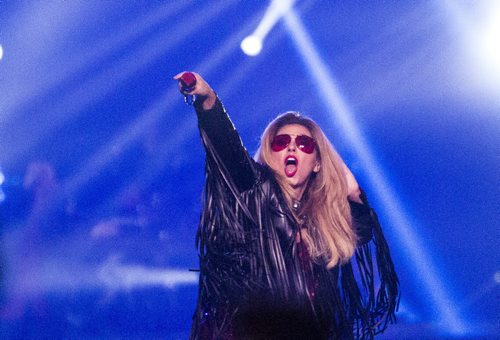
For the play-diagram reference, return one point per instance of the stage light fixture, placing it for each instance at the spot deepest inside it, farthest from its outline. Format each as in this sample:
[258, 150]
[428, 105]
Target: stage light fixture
[252, 44]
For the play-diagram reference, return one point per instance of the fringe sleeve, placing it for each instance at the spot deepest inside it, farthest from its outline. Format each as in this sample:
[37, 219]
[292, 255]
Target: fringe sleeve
[369, 282]
[226, 233]
[220, 138]
[223, 232]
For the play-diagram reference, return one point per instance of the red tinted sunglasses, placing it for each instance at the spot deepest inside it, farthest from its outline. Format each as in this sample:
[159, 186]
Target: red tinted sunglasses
[304, 143]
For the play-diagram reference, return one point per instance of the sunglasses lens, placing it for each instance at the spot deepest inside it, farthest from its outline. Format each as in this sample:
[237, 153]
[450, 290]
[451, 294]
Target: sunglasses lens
[305, 143]
[280, 142]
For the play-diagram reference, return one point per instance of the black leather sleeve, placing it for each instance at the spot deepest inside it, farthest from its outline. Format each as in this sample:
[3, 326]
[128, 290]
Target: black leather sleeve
[226, 143]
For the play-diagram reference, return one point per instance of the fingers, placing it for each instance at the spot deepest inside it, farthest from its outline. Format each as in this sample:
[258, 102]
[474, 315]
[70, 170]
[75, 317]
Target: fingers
[201, 89]
[186, 77]
[178, 75]
[182, 89]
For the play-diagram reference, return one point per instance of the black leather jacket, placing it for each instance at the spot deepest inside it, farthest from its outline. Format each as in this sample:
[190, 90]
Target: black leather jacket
[251, 264]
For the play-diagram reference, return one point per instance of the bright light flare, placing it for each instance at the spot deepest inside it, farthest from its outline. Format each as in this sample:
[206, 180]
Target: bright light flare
[116, 275]
[1, 52]
[2, 180]
[252, 44]
[341, 113]
[479, 25]
[496, 277]
[488, 40]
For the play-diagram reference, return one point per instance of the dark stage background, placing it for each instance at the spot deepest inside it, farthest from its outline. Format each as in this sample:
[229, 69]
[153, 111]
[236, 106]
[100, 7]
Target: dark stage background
[102, 167]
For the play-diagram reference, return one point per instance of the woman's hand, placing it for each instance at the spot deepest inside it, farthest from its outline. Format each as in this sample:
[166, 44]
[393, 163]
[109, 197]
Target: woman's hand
[203, 92]
[353, 191]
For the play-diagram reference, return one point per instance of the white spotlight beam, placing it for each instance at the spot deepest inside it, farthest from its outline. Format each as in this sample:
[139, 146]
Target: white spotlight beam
[273, 13]
[252, 44]
[478, 24]
[153, 114]
[58, 276]
[97, 88]
[401, 226]
[69, 68]
[115, 275]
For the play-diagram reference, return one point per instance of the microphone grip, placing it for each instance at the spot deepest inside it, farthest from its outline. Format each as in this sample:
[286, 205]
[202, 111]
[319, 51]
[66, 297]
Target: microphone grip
[188, 81]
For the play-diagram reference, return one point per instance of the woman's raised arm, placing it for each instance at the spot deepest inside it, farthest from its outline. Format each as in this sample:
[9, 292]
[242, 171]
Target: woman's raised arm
[220, 138]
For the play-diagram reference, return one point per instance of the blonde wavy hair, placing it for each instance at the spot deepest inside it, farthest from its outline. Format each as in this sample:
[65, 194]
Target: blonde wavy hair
[329, 235]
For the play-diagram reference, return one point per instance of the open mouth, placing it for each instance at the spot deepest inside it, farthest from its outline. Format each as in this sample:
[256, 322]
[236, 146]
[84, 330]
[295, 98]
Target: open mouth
[291, 166]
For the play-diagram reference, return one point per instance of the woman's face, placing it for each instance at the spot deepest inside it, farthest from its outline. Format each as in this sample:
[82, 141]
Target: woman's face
[293, 162]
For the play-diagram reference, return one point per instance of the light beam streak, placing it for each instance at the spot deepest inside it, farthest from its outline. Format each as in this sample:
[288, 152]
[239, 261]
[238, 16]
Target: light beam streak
[14, 101]
[252, 44]
[342, 116]
[154, 112]
[97, 88]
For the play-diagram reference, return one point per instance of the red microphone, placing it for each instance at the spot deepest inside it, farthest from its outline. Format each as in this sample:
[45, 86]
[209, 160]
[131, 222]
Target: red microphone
[188, 81]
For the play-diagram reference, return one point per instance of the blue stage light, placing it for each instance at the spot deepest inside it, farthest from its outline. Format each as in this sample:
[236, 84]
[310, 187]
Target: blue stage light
[402, 225]
[252, 44]
[2, 181]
